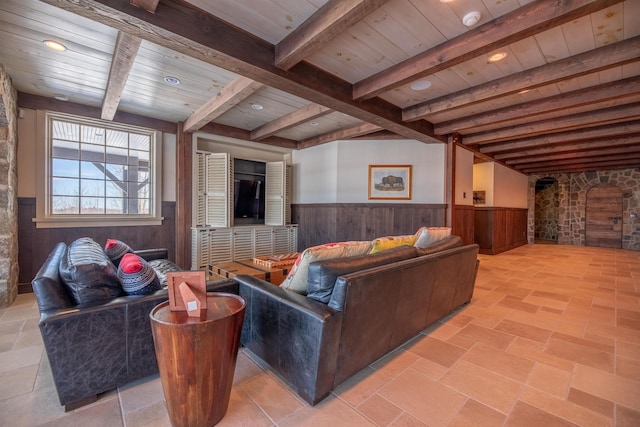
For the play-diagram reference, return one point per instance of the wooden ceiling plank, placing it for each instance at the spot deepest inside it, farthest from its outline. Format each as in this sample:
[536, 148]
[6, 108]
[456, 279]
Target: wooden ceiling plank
[237, 133]
[621, 113]
[568, 147]
[230, 96]
[301, 115]
[602, 58]
[346, 133]
[565, 137]
[192, 32]
[124, 56]
[619, 89]
[512, 27]
[148, 5]
[573, 161]
[586, 166]
[560, 155]
[331, 20]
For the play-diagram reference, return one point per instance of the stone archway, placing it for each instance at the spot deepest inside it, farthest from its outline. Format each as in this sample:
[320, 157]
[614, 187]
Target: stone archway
[546, 211]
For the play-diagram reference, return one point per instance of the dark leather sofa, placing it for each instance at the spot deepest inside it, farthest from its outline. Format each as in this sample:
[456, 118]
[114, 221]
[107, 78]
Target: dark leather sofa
[93, 349]
[376, 304]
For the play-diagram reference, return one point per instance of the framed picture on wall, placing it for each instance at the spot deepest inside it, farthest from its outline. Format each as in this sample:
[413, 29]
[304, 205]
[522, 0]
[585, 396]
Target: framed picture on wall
[389, 182]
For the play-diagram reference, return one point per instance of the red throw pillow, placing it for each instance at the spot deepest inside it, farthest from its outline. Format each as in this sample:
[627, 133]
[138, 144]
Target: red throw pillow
[115, 250]
[137, 276]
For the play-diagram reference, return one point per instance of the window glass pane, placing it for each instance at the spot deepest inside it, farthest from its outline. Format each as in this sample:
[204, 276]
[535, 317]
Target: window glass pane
[65, 205]
[116, 205]
[94, 135]
[139, 142]
[65, 149]
[92, 170]
[138, 157]
[92, 188]
[116, 189]
[117, 155]
[92, 153]
[92, 205]
[143, 206]
[116, 172]
[65, 130]
[65, 168]
[65, 187]
[116, 138]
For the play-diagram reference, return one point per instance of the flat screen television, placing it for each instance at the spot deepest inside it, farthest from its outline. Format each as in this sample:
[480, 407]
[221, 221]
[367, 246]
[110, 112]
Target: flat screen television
[248, 201]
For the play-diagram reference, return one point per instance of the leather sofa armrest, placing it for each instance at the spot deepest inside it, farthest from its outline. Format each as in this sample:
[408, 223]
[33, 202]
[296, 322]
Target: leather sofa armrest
[151, 254]
[297, 336]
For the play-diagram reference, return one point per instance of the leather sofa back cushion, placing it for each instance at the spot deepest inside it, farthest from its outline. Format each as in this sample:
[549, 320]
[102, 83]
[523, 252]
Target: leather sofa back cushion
[296, 280]
[88, 274]
[323, 274]
[49, 290]
[448, 242]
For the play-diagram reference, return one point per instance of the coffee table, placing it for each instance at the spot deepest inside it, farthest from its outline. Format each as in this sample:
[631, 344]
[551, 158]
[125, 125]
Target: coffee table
[230, 269]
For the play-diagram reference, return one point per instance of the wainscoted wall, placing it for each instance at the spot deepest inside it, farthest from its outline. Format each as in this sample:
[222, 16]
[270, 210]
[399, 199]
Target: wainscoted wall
[463, 223]
[500, 229]
[321, 223]
[36, 243]
[572, 196]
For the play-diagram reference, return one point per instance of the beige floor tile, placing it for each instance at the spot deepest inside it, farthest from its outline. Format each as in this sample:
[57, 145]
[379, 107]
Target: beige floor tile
[380, 411]
[26, 356]
[607, 386]
[140, 393]
[243, 412]
[149, 416]
[435, 350]
[627, 349]
[486, 336]
[564, 409]
[395, 362]
[525, 331]
[512, 366]
[269, 395]
[487, 387]
[429, 369]
[330, 412]
[17, 381]
[524, 415]
[429, 401]
[628, 368]
[475, 414]
[586, 355]
[626, 417]
[550, 379]
[406, 420]
[591, 402]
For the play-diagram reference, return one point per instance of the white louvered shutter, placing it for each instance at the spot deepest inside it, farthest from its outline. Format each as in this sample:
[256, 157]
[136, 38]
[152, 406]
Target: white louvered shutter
[274, 210]
[218, 189]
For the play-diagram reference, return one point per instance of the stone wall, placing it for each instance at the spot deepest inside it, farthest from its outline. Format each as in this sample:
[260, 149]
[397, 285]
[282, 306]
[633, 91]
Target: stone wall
[8, 188]
[546, 212]
[572, 197]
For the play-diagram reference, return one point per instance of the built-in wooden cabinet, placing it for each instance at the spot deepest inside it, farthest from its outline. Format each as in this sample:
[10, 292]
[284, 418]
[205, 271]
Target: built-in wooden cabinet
[499, 229]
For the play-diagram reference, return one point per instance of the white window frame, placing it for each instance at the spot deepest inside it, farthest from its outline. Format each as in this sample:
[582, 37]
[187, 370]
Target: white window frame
[44, 217]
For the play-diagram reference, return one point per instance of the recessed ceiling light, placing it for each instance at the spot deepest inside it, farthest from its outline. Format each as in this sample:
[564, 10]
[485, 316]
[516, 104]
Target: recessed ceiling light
[54, 45]
[172, 80]
[471, 18]
[257, 106]
[420, 85]
[314, 123]
[524, 91]
[497, 56]
[61, 97]
[446, 1]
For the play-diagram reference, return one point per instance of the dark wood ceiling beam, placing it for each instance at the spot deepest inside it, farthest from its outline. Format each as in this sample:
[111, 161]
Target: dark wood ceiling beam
[564, 137]
[586, 153]
[124, 56]
[190, 31]
[621, 113]
[301, 115]
[36, 102]
[619, 89]
[602, 58]
[148, 5]
[379, 135]
[580, 160]
[586, 166]
[327, 23]
[611, 142]
[345, 133]
[237, 133]
[231, 95]
[514, 26]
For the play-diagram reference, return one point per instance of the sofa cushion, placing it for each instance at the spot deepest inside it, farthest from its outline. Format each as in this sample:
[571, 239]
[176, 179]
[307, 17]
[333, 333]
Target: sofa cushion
[115, 250]
[137, 276]
[427, 236]
[88, 274]
[323, 274]
[388, 242]
[448, 242]
[296, 280]
[162, 267]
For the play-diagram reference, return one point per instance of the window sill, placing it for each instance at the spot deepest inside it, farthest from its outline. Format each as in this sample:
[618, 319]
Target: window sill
[73, 222]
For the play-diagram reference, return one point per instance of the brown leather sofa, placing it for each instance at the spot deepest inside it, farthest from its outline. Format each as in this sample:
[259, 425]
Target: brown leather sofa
[96, 348]
[377, 302]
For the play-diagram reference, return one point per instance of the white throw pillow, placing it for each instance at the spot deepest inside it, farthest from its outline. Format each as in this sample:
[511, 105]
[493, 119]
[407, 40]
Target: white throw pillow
[427, 236]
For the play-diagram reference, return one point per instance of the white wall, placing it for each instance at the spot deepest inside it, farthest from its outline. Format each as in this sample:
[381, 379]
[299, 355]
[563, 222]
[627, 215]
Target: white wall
[337, 172]
[464, 177]
[504, 187]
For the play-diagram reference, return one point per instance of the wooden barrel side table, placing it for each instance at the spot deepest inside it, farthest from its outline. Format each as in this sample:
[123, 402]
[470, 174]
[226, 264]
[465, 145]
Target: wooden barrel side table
[197, 358]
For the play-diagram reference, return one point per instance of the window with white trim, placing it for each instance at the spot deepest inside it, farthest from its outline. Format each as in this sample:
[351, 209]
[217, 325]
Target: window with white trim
[99, 173]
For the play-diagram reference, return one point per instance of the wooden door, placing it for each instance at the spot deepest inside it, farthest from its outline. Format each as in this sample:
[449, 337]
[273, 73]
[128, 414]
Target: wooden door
[604, 216]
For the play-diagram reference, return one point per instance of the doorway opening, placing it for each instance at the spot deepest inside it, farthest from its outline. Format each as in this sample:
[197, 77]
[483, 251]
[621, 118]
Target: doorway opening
[546, 214]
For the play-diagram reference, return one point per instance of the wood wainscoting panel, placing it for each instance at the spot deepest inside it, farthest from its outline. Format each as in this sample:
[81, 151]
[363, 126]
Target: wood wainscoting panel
[500, 229]
[463, 223]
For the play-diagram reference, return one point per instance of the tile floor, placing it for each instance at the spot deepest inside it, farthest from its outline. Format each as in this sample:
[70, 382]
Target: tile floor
[551, 337]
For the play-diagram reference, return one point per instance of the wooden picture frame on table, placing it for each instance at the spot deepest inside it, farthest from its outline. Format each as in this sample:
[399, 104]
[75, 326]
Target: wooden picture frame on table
[390, 182]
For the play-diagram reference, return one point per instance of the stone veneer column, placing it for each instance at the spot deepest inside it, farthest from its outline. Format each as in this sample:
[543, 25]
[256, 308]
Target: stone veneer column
[8, 188]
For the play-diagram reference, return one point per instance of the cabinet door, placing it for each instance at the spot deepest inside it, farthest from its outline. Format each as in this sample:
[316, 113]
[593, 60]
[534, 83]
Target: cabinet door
[281, 240]
[293, 238]
[243, 243]
[199, 248]
[218, 189]
[264, 241]
[220, 241]
[278, 194]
